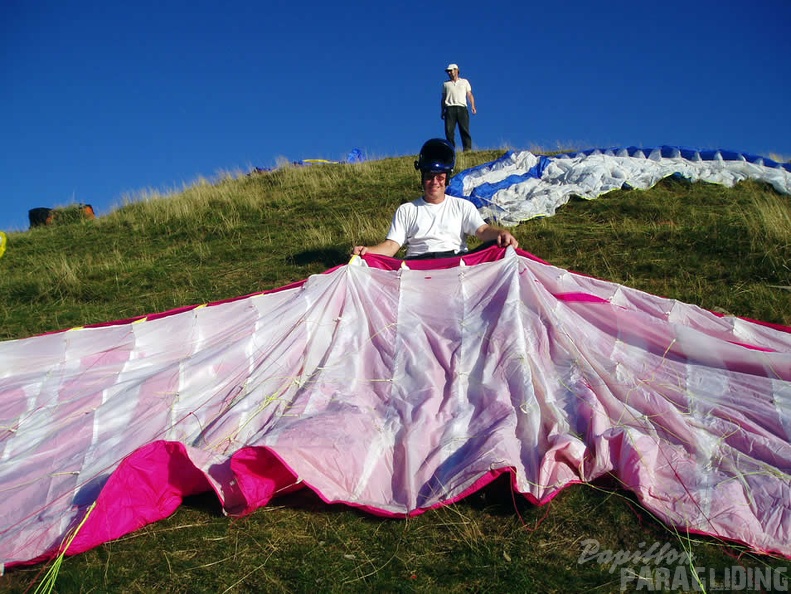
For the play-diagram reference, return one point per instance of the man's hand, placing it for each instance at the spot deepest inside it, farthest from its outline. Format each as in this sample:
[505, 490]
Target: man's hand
[502, 237]
[387, 248]
[505, 239]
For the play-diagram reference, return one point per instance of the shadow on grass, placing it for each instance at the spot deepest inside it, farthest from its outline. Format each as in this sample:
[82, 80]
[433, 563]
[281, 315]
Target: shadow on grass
[497, 499]
[326, 257]
[206, 502]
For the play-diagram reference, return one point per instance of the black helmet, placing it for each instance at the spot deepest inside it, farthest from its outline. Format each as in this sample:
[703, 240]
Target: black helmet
[437, 156]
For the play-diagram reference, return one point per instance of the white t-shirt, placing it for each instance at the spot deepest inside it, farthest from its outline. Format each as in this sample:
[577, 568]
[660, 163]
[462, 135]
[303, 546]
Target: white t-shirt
[455, 93]
[426, 227]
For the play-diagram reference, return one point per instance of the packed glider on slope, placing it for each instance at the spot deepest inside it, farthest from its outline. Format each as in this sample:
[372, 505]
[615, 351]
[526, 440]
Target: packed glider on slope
[362, 386]
[520, 185]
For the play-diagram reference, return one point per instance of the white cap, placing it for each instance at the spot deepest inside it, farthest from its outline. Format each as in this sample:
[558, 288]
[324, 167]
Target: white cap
[452, 67]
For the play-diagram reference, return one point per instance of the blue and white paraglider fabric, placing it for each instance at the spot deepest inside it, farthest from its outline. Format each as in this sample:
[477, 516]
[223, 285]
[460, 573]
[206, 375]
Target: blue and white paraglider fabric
[520, 185]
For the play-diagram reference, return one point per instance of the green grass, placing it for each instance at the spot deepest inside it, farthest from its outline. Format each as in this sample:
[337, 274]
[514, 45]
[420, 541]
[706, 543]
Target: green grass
[727, 250]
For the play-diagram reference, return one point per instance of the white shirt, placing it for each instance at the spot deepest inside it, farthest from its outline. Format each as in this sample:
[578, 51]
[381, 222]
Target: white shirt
[454, 93]
[425, 227]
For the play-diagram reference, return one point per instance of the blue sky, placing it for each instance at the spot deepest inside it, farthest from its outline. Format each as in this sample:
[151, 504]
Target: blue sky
[101, 100]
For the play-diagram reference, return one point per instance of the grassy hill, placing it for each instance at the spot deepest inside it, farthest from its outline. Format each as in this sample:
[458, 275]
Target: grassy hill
[727, 250]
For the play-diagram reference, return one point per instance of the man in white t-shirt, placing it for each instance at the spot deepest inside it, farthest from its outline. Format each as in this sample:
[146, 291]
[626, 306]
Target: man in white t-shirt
[436, 224]
[455, 94]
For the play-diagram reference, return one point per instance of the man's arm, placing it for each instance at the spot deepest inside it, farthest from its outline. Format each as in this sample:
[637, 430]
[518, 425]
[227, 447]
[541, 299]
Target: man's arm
[442, 103]
[471, 99]
[387, 248]
[501, 236]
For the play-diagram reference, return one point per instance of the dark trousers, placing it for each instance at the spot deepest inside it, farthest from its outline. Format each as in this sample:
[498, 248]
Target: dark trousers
[458, 115]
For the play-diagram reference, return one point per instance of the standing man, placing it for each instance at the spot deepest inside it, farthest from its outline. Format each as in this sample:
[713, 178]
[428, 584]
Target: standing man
[455, 93]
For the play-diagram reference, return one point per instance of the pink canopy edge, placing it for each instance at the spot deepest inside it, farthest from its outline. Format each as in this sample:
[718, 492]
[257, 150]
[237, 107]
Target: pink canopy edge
[151, 483]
